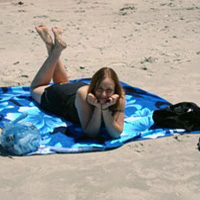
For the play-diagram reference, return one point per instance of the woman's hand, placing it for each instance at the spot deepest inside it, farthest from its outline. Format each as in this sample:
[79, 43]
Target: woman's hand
[92, 100]
[111, 101]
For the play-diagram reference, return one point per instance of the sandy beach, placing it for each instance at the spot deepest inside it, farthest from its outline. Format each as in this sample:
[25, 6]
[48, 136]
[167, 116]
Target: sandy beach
[153, 45]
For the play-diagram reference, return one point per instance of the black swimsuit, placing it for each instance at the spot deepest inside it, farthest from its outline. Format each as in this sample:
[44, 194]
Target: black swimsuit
[60, 100]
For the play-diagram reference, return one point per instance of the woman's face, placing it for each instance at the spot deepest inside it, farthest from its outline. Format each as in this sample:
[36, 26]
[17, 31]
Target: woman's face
[105, 90]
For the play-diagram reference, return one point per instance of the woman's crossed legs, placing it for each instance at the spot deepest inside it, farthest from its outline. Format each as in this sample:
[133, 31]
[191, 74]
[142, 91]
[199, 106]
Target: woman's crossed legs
[52, 68]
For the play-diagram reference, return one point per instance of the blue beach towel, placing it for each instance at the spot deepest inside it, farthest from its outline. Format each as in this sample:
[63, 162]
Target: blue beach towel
[60, 136]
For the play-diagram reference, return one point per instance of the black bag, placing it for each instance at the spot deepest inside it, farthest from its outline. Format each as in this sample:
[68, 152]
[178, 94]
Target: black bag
[185, 115]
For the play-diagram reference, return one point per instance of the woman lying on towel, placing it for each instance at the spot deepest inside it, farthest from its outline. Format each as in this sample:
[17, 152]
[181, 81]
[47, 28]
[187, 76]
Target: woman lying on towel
[100, 102]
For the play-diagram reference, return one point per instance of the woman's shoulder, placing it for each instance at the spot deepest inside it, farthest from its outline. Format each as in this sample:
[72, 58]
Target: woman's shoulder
[120, 105]
[82, 91]
[81, 97]
[84, 88]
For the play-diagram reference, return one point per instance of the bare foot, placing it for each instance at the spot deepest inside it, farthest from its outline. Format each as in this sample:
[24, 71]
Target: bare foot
[59, 43]
[43, 32]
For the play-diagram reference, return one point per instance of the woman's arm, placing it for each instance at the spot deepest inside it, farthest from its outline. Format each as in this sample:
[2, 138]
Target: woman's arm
[89, 114]
[114, 124]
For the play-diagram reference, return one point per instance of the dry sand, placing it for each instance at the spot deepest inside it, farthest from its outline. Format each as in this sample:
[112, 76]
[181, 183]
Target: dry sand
[152, 44]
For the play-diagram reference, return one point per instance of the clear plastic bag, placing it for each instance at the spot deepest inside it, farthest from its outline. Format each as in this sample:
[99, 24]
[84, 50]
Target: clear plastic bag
[20, 138]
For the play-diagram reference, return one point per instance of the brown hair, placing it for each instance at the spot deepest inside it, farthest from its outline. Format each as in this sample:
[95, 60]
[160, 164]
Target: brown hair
[100, 75]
